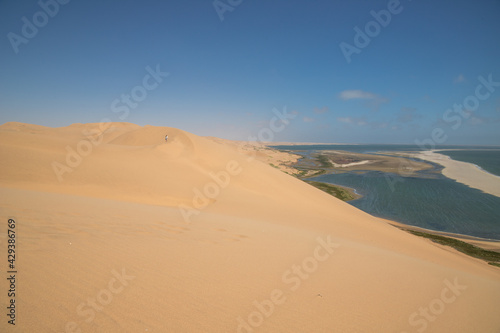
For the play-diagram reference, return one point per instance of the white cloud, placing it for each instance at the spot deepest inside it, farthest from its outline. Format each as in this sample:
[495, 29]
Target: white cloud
[352, 120]
[356, 94]
[308, 120]
[361, 121]
[373, 101]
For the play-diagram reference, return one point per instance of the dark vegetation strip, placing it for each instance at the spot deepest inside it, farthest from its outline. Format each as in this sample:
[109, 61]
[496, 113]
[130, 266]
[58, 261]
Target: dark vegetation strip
[337, 191]
[492, 257]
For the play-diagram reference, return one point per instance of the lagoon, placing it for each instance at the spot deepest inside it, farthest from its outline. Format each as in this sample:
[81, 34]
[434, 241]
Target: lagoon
[427, 200]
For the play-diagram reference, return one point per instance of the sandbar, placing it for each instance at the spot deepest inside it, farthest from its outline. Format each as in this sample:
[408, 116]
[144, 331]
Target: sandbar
[463, 172]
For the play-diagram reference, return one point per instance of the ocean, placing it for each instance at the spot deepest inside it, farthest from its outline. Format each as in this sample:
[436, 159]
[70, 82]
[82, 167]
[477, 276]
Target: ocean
[428, 200]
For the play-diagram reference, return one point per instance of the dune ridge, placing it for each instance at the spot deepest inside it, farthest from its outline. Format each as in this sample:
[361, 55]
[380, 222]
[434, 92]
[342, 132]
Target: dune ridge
[108, 248]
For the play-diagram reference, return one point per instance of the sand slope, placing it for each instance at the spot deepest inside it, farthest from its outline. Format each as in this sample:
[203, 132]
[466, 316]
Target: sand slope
[125, 242]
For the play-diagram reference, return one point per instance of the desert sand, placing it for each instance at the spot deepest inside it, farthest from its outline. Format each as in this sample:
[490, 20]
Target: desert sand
[465, 173]
[119, 231]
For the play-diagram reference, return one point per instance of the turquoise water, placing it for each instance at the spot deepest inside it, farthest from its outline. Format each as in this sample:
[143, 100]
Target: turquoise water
[428, 201]
[488, 160]
[439, 204]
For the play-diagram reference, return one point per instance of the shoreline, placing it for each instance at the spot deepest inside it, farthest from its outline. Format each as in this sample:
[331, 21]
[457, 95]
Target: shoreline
[477, 166]
[463, 172]
[484, 243]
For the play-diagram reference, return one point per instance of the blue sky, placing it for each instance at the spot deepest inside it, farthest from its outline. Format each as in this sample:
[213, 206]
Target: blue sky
[226, 76]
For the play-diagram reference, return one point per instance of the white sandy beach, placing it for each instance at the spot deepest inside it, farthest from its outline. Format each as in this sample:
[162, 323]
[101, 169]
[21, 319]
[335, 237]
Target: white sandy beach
[133, 234]
[463, 172]
[346, 165]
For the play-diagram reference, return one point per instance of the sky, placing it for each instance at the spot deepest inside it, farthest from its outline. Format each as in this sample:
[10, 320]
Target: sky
[411, 71]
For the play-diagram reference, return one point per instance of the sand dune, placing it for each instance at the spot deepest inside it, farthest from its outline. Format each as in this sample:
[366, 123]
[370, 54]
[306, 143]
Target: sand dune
[194, 235]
